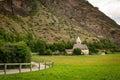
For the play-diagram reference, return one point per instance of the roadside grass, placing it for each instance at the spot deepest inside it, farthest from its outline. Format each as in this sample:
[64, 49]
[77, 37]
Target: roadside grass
[96, 67]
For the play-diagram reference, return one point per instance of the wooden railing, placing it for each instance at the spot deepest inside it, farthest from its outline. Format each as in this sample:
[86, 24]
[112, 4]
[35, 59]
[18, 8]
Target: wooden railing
[45, 64]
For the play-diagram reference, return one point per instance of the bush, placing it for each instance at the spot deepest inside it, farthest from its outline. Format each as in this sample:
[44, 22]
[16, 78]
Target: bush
[40, 46]
[93, 50]
[62, 53]
[52, 47]
[15, 53]
[77, 51]
[16, 18]
[37, 46]
[48, 52]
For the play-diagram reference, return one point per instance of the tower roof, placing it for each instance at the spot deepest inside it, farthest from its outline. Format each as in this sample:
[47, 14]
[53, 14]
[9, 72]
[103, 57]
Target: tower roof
[78, 40]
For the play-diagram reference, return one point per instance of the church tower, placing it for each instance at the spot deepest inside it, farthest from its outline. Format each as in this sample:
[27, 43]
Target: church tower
[78, 40]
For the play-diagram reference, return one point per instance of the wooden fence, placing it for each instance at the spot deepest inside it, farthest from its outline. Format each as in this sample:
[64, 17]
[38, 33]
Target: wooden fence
[45, 64]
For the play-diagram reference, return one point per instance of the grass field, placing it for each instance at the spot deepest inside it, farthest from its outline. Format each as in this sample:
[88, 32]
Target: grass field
[74, 68]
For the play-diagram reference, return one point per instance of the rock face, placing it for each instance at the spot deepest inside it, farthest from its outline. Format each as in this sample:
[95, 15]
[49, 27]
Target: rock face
[81, 13]
[17, 7]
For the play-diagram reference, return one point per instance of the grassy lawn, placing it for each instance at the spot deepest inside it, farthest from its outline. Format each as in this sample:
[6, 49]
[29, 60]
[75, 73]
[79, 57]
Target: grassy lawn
[74, 68]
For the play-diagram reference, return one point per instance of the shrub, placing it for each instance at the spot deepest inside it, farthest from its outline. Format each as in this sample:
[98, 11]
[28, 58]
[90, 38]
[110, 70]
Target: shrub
[77, 51]
[53, 47]
[48, 52]
[61, 47]
[15, 53]
[16, 18]
[62, 53]
[40, 46]
[37, 45]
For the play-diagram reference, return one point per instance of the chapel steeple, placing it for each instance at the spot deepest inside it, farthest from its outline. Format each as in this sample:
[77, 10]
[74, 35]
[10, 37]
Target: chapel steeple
[78, 40]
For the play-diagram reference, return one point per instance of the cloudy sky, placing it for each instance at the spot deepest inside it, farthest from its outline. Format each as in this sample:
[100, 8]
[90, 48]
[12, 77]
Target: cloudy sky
[110, 7]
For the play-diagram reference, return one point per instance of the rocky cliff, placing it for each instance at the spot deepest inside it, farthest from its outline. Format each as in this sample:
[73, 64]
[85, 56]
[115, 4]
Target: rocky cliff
[83, 14]
[16, 7]
[55, 20]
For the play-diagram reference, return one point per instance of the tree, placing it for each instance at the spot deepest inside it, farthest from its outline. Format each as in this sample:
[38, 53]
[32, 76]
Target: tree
[52, 47]
[48, 52]
[23, 52]
[69, 45]
[31, 45]
[77, 51]
[40, 47]
[61, 47]
[15, 53]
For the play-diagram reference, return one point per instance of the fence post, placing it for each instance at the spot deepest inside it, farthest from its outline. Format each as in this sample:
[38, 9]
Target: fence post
[49, 65]
[20, 66]
[45, 65]
[5, 67]
[39, 66]
[30, 66]
[52, 64]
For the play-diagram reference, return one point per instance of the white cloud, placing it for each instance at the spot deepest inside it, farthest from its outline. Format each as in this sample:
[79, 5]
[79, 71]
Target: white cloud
[110, 7]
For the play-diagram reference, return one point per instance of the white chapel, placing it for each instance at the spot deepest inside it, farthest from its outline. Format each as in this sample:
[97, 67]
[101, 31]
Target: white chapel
[83, 47]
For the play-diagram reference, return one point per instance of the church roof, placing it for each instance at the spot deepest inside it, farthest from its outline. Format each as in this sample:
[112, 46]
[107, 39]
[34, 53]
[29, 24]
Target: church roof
[80, 46]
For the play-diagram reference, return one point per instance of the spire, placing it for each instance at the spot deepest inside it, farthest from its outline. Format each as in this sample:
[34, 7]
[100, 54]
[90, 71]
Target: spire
[78, 40]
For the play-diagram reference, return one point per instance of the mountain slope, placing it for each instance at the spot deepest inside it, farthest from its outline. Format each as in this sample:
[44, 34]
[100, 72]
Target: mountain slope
[42, 23]
[56, 20]
[83, 14]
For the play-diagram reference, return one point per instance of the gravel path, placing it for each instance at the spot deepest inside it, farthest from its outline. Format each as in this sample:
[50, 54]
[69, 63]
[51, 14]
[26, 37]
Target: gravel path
[35, 68]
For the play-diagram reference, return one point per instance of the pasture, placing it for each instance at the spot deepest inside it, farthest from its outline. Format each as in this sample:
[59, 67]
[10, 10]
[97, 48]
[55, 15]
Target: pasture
[95, 67]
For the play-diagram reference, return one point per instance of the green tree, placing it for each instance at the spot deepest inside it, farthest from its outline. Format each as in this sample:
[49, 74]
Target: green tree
[77, 51]
[61, 47]
[23, 51]
[69, 45]
[31, 44]
[48, 52]
[40, 47]
[52, 47]
[15, 53]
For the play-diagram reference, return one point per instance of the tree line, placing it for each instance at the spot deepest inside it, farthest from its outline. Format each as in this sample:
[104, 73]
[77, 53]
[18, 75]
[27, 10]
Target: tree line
[42, 48]
[18, 48]
[103, 44]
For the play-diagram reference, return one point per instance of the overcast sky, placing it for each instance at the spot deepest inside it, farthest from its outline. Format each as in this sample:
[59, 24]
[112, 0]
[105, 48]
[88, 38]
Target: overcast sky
[110, 7]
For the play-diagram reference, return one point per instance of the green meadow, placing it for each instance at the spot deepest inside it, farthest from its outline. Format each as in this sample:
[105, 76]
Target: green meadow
[95, 67]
